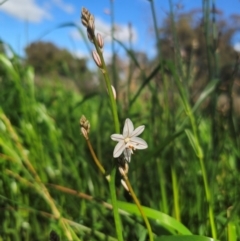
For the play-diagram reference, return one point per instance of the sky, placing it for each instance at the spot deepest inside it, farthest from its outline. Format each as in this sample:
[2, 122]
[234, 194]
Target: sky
[25, 21]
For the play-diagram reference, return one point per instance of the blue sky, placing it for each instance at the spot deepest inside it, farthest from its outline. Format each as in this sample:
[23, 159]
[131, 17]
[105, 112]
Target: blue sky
[25, 21]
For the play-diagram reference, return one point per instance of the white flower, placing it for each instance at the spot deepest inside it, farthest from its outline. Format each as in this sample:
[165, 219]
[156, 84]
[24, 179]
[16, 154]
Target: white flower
[128, 141]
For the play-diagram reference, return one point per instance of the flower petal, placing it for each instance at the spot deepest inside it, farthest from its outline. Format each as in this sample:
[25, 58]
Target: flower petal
[138, 143]
[127, 154]
[118, 149]
[128, 128]
[117, 137]
[137, 131]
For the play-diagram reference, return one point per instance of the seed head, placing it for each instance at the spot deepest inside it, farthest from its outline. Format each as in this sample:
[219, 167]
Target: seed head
[85, 126]
[84, 133]
[88, 20]
[91, 23]
[85, 16]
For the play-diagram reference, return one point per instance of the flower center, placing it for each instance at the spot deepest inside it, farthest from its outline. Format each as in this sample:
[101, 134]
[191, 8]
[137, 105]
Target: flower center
[126, 140]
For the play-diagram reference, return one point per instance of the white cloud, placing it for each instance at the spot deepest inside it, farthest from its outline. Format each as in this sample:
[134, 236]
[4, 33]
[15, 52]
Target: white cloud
[121, 32]
[76, 35]
[107, 54]
[237, 47]
[68, 8]
[25, 10]
[81, 54]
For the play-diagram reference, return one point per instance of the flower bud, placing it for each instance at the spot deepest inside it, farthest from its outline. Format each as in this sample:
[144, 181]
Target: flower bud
[97, 59]
[100, 40]
[114, 92]
[108, 177]
[126, 168]
[124, 185]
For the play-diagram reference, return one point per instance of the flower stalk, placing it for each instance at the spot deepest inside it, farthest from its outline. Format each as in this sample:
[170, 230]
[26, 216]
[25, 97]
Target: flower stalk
[128, 141]
[129, 187]
[88, 22]
[85, 129]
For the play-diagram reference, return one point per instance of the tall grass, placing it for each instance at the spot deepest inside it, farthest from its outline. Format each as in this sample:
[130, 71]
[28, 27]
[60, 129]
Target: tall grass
[187, 180]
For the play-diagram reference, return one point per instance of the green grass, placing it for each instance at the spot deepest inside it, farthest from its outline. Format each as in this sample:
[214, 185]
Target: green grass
[187, 182]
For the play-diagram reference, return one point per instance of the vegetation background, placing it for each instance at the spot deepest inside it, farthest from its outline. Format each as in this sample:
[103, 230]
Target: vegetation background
[188, 98]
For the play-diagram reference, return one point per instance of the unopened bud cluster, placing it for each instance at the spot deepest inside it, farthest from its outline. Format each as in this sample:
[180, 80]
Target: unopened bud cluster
[85, 126]
[123, 169]
[89, 22]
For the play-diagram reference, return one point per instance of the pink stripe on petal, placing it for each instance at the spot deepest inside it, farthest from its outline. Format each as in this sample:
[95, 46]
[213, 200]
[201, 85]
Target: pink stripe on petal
[117, 137]
[137, 131]
[139, 143]
[128, 127]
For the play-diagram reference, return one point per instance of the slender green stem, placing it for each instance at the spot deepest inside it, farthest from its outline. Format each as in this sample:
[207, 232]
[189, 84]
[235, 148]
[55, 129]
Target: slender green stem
[231, 228]
[204, 174]
[208, 197]
[156, 29]
[112, 191]
[232, 127]
[150, 233]
[117, 129]
[175, 194]
[97, 162]
[163, 191]
[113, 104]
[176, 43]
[130, 67]
[199, 153]
[109, 88]
[206, 12]
[117, 220]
